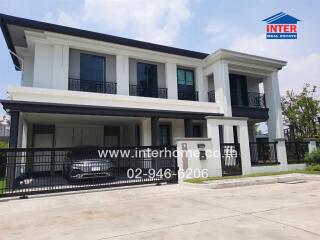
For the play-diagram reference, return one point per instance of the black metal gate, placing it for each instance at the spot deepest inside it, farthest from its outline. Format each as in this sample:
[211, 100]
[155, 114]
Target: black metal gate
[230, 159]
[44, 170]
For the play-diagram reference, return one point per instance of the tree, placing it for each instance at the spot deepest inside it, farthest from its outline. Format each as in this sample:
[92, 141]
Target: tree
[301, 112]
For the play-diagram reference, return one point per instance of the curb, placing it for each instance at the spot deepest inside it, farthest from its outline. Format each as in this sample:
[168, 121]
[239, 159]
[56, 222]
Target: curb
[230, 183]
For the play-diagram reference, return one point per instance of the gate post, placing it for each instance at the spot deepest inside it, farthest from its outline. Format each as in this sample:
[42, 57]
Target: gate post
[282, 153]
[243, 138]
[213, 133]
[312, 144]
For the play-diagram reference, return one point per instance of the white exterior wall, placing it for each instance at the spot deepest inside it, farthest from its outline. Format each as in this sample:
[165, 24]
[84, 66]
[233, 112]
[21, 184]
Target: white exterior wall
[51, 64]
[43, 66]
[122, 73]
[27, 77]
[171, 80]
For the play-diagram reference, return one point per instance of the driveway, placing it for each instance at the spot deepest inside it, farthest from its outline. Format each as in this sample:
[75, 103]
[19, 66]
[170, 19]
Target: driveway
[273, 211]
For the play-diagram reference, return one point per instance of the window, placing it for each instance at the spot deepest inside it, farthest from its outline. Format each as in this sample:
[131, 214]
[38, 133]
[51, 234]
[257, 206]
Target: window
[165, 139]
[197, 131]
[92, 68]
[147, 75]
[185, 77]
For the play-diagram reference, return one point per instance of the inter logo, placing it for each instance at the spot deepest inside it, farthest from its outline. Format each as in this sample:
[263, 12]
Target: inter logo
[281, 26]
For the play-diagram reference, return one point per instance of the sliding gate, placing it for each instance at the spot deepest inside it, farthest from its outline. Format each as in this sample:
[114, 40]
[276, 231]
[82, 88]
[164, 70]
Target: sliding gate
[44, 170]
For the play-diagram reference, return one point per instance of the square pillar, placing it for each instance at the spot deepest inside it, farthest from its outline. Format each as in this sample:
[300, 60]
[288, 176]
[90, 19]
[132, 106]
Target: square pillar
[243, 138]
[202, 85]
[155, 131]
[213, 133]
[122, 73]
[146, 132]
[272, 96]
[282, 153]
[171, 80]
[60, 69]
[222, 95]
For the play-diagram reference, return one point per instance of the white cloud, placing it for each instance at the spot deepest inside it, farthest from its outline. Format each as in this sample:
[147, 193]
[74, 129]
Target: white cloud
[155, 21]
[61, 19]
[300, 68]
[213, 28]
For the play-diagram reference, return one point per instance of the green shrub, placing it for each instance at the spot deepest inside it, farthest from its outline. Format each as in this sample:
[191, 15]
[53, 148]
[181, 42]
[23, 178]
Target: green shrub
[313, 158]
[313, 168]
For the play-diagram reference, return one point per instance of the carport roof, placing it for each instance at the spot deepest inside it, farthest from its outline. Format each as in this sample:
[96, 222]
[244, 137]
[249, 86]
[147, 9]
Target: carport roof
[58, 108]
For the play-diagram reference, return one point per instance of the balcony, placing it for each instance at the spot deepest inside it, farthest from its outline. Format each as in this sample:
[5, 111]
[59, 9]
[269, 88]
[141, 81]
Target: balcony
[136, 90]
[188, 95]
[92, 86]
[211, 96]
[251, 104]
[251, 100]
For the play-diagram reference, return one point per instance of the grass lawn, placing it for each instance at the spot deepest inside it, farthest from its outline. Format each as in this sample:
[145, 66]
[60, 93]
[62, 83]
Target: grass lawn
[2, 185]
[203, 180]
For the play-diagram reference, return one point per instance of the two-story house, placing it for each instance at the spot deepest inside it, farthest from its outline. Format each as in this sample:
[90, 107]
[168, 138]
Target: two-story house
[85, 88]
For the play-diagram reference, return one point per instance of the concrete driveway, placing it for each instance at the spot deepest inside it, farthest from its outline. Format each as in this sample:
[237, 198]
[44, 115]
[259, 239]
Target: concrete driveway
[273, 211]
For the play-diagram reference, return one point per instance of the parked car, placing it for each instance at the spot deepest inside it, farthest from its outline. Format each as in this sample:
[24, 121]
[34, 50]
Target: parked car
[84, 163]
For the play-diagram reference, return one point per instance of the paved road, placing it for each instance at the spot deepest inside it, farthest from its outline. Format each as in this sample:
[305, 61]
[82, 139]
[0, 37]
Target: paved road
[274, 211]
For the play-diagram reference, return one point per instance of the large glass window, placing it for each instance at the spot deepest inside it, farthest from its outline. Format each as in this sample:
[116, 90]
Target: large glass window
[147, 83]
[92, 68]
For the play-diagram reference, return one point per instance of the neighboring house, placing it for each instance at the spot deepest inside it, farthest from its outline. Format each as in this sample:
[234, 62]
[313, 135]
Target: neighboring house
[86, 88]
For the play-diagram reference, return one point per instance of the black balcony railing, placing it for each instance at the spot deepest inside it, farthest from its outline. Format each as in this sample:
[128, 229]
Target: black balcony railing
[188, 95]
[256, 100]
[211, 96]
[136, 90]
[251, 99]
[92, 86]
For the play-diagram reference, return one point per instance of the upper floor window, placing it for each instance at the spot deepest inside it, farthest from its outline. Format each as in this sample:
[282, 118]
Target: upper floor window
[147, 75]
[92, 68]
[186, 85]
[185, 77]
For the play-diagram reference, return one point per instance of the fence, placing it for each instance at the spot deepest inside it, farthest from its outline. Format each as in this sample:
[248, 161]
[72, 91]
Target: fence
[296, 151]
[263, 153]
[31, 171]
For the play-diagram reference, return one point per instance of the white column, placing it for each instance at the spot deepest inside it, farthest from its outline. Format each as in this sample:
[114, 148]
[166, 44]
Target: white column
[60, 68]
[213, 133]
[244, 147]
[122, 72]
[146, 132]
[272, 95]
[171, 80]
[222, 94]
[282, 153]
[202, 85]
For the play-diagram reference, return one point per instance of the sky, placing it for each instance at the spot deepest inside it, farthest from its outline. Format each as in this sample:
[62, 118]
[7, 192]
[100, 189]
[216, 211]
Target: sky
[200, 25]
